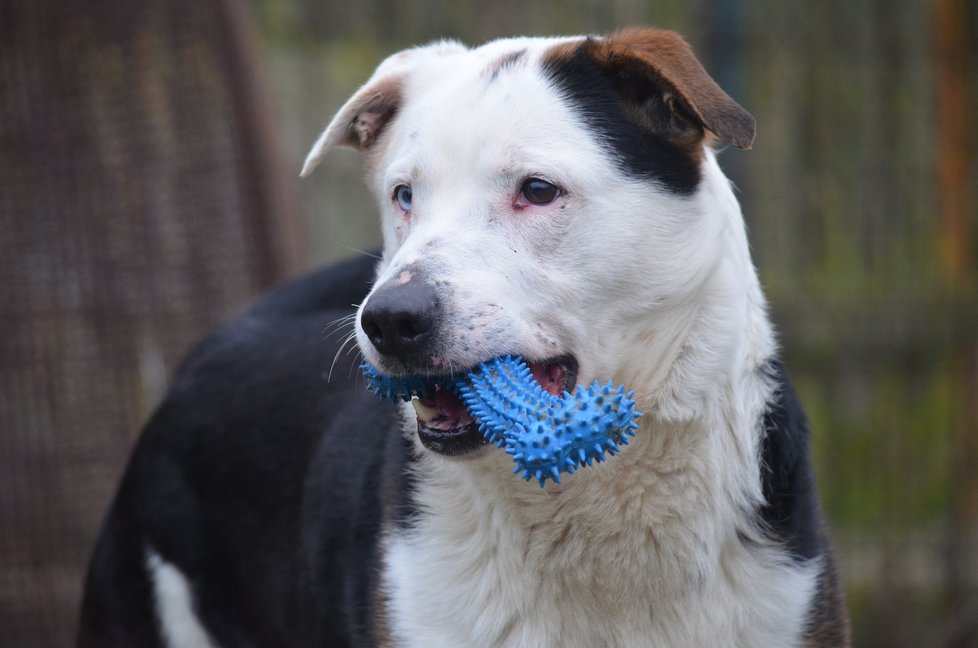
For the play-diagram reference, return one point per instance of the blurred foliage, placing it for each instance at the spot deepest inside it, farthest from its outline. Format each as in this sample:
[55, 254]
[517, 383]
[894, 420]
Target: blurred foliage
[850, 218]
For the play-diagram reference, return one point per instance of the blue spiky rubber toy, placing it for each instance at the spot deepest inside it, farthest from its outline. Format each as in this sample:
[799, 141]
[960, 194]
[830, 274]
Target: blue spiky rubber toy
[545, 434]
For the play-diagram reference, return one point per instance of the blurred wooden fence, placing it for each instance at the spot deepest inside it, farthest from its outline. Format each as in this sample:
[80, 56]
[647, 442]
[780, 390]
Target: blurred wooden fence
[141, 203]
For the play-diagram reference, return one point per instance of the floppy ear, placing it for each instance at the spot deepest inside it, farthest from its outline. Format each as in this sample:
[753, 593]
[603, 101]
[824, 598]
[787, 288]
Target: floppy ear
[365, 115]
[643, 58]
[360, 121]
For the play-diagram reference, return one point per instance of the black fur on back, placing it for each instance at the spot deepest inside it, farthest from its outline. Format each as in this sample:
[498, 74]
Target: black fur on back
[260, 480]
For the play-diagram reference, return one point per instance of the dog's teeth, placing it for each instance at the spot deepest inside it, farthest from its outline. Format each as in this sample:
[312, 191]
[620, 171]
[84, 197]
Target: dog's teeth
[424, 412]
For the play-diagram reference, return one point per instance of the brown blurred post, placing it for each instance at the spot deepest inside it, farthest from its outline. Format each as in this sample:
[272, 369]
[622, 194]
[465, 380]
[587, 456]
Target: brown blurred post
[956, 140]
[955, 134]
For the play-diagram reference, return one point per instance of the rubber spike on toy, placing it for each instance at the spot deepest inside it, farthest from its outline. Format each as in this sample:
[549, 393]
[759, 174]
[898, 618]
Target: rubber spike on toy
[390, 387]
[545, 434]
[557, 432]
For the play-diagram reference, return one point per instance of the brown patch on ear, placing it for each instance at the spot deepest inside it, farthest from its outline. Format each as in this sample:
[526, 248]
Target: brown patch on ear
[640, 57]
[360, 122]
[564, 50]
[373, 115]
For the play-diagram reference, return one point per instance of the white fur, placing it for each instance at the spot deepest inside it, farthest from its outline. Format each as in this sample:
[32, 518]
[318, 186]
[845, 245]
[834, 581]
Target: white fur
[656, 291]
[174, 600]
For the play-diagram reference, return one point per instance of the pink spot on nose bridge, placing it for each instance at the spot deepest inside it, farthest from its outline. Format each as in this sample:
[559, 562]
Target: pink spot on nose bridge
[403, 278]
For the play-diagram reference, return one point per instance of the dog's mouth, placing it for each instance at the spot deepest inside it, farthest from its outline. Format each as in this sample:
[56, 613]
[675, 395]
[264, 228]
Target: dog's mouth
[445, 425]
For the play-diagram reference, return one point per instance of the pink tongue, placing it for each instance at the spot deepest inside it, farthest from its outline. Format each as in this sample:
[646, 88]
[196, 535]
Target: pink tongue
[452, 411]
[550, 377]
[449, 404]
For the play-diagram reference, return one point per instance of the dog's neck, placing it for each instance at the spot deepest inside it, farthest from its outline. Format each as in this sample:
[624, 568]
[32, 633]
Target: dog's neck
[680, 472]
[688, 359]
[628, 547]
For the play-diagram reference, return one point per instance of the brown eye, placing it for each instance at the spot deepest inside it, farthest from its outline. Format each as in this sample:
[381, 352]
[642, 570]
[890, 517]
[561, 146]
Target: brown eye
[539, 192]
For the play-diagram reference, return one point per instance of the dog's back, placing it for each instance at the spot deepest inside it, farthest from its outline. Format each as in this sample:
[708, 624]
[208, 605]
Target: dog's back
[213, 533]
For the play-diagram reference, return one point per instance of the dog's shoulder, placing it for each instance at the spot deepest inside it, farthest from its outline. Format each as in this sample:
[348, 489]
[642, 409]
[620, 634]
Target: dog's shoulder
[267, 365]
[335, 287]
[252, 402]
[252, 422]
[288, 336]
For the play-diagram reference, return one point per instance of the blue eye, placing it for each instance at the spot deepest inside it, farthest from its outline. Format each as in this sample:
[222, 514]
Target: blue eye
[402, 196]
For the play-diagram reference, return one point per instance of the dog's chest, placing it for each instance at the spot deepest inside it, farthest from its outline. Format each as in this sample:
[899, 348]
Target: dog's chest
[480, 575]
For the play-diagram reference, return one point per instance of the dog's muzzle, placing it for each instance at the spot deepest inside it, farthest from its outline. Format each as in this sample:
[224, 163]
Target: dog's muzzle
[401, 320]
[404, 322]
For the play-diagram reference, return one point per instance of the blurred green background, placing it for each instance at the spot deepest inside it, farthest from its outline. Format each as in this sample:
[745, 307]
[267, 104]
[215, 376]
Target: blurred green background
[148, 191]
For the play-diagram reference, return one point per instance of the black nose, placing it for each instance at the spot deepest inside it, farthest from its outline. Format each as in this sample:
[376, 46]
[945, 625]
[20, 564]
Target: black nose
[400, 318]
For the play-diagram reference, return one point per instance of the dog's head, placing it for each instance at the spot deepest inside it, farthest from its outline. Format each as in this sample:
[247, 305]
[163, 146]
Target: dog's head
[552, 198]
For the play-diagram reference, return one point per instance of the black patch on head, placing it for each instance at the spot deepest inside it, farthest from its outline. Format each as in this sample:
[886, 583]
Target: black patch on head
[507, 61]
[601, 100]
[792, 514]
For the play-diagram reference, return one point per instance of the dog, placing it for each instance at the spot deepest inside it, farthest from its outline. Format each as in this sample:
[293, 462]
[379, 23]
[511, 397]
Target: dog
[559, 199]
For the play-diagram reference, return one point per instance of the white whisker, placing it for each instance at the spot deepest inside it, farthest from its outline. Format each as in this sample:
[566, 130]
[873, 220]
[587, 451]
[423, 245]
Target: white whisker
[351, 337]
[363, 252]
[339, 324]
